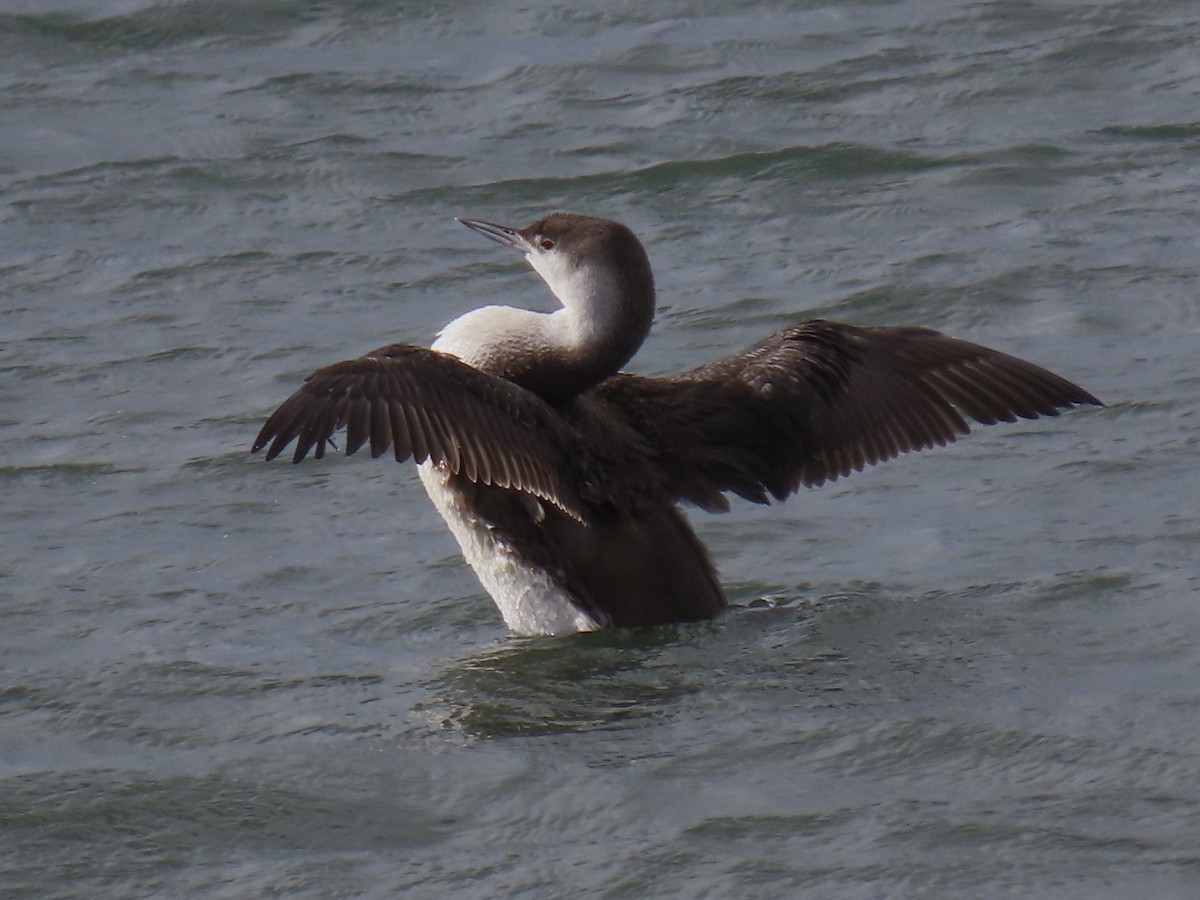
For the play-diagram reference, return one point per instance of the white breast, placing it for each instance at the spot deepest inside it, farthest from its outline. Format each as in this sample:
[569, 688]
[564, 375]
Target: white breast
[476, 337]
[530, 601]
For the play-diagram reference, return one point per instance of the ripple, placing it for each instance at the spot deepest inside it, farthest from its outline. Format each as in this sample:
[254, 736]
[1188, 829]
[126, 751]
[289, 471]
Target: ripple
[975, 668]
[159, 26]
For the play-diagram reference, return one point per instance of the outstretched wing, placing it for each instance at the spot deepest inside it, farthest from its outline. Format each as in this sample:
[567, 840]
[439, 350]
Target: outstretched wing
[818, 400]
[429, 406]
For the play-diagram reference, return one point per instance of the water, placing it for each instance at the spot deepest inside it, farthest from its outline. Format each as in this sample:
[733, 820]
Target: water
[966, 673]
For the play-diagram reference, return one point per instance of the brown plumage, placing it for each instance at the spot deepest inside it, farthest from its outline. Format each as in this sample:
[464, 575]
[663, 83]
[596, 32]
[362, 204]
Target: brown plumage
[581, 484]
[426, 405]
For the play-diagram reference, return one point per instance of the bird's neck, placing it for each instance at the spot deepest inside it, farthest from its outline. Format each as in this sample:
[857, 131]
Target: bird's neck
[560, 354]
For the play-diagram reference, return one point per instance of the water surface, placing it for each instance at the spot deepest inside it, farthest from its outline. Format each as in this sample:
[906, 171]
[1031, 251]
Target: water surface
[971, 672]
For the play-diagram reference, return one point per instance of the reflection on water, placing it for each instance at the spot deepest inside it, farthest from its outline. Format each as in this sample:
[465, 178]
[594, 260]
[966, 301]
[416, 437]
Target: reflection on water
[587, 682]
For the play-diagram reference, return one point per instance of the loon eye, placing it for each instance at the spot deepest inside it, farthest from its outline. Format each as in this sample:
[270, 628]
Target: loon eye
[546, 244]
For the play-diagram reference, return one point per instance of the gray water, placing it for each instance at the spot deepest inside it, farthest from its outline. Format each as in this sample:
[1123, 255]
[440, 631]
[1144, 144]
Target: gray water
[968, 673]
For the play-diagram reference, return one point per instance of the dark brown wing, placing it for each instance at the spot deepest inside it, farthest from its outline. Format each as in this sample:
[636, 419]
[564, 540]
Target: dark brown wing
[428, 405]
[818, 400]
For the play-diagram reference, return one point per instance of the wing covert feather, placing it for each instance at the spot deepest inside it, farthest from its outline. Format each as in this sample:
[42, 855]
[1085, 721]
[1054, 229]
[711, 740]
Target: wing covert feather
[429, 406]
[818, 400]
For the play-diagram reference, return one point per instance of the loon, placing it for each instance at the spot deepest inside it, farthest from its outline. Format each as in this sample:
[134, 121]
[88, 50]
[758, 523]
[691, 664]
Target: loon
[561, 477]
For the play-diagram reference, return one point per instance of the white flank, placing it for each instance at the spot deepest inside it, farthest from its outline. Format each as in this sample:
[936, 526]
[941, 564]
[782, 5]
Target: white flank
[529, 599]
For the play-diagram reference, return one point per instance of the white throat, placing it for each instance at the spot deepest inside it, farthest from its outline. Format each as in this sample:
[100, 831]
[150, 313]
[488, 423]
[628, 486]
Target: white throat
[590, 294]
[591, 314]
